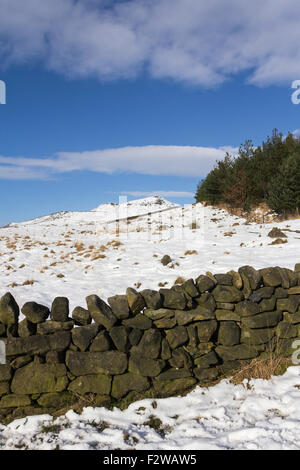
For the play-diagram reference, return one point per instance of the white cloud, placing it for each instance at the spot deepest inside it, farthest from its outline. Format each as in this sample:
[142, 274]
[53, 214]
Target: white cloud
[150, 160]
[192, 41]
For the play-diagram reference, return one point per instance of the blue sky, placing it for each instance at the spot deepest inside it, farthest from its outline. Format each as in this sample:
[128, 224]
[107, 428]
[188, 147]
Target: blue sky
[127, 104]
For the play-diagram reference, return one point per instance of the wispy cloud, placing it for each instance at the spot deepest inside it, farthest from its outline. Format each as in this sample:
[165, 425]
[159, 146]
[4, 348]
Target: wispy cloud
[192, 41]
[149, 160]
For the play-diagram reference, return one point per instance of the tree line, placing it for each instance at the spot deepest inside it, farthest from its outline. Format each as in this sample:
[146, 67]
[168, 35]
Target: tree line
[268, 173]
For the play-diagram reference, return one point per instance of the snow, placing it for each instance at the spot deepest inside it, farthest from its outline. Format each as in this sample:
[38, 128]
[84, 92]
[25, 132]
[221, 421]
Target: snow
[75, 254]
[258, 415]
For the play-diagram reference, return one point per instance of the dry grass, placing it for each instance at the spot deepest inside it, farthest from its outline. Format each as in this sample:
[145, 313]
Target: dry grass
[162, 284]
[261, 368]
[191, 252]
[180, 280]
[278, 241]
[29, 282]
[98, 256]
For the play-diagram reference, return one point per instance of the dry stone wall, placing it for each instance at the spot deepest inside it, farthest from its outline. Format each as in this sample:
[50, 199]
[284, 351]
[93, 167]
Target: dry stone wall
[145, 343]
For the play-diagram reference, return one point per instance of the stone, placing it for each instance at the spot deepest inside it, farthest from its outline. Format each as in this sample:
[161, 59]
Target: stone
[145, 366]
[239, 351]
[297, 268]
[100, 312]
[254, 276]
[200, 350]
[286, 330]
[55, 357]
[225, 306]
[293, 278]
[2, 330]
[135, 336]
[4, 388]
[262, 320]
[26, 328]
[83, 335]
[237, 280]
[5, 372]
[224, 279]
[257, 336]
[129, 382]
[56, 400]
[180, 359]
[205, 283]
[294, 290]
[290, 304]
[267, 305]
[247, 291]
[227, 315]
[81, 316]
[207, 301]
[206, 375]
[206, 330]
[9, 310]
[101, 343]
[150, 344]
[159, 314]
[293, 318]
[271, 277]
[119, 306]
[34, 312]
[35, 344]
[280, 293]
[135, 301]
[152, 299]
[254, 298]
[227, 294]
[196, 314]
[100, 384]
[190, 288]
[276, 233]
[140, 321]
[246, 308]
[60, 309]
[21, 361]
[172, 299]
[51, 326]
[168, 388]
[12, 331]
[120, 337]
[265, 292]
[86, 363]
[285, 279]
[173, 373]
[39, 378]
[229, 333]
[165, 323]
[166, 352]
[177, 337]
[166, 259]
[207, 360]
[59, 341]
[14, 401]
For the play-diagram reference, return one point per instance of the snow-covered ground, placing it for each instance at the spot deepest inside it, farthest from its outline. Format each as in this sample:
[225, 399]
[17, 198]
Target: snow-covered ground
[107, 249]
[75, 254]
[262, 415]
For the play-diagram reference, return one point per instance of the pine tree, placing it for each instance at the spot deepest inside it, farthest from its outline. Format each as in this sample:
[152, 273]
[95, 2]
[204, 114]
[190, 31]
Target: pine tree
[284, 193]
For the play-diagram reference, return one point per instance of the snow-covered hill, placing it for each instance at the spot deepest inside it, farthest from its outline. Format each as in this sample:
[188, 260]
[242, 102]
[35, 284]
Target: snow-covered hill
[107, 249]
[104, 250]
